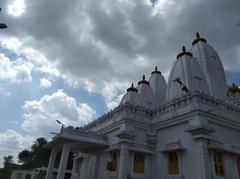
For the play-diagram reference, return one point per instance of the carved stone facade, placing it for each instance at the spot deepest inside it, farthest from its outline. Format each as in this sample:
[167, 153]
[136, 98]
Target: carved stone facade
[191, 131]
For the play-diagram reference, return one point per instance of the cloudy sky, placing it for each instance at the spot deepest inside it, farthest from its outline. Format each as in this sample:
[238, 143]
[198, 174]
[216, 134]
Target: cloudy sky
[73, 60]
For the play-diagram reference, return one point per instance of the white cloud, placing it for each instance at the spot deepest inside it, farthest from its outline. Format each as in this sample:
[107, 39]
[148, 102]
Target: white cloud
[11, 143]
[113, 44]
[11, 43]
[112, 92]
[40, 119]
[11, 140]
[17, 71]
[16, 8]
[40, 116]
[45, 83]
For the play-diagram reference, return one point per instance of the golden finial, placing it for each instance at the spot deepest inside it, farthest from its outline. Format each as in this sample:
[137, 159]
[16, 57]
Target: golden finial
[143, 81]
[156, 70]
[183, 49]
[132, 88]
[198, 39]
[197, 35]
[184, 52]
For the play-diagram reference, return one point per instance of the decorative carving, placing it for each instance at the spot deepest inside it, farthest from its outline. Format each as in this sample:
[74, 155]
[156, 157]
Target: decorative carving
[179, 103]
[81, 132]
[129, 135]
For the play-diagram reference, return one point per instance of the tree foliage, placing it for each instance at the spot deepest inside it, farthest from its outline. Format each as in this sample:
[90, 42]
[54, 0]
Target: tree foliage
[25, 156]
[36, 157]
[7, 159]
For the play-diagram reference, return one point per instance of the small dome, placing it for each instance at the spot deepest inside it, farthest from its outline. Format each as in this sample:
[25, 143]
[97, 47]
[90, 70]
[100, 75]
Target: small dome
[132, 97]
[146, 93]
[211, 66]
[159, 86]
[185, 76]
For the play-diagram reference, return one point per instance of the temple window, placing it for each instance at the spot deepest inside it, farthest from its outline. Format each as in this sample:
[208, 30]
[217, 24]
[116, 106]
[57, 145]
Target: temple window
[112, 164]
[218, 163]
[173, 164]
[138, 162]
[238, 166]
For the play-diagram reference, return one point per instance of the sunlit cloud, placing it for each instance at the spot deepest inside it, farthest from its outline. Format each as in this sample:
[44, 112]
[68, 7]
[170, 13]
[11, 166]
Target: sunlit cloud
[45, 83]
[16, 8]
[11, 43]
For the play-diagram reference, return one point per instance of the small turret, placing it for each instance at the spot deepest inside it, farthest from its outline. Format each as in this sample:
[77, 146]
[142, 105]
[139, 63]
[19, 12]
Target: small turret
[132, 97]
[146, 93]
[158, 85]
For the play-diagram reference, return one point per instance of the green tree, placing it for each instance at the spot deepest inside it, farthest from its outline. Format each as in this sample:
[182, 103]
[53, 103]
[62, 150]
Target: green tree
[41, 154]
[36, 157]
[25, 156]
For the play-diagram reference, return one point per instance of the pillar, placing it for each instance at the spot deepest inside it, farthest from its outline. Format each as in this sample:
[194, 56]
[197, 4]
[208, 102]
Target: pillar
[63, 162]
[203, 157]
[51, 163]
[123, 162]
[74, 168]
[96, 166]
[180, 164]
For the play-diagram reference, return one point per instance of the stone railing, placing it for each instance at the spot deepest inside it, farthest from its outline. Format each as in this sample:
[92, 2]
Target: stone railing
[193, 100]
[81, 132]
[235, 100]
[120, 109]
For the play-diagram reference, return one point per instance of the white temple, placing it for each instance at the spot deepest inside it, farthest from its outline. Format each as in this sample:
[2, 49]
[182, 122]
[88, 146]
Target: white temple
[188, 128]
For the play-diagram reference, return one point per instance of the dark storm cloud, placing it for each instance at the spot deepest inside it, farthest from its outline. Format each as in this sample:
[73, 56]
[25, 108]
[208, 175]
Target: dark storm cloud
[92, 40]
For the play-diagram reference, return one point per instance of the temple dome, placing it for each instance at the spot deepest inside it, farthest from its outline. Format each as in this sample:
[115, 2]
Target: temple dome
[211, 66]
[146, 93]
[132, 97]
[185, 76]
[159, 86]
